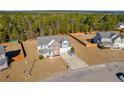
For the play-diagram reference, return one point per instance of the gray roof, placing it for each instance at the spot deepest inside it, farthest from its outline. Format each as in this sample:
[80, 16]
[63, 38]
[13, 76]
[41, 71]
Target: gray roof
[1, 49]
[106, 34]
[45, 50]
[45, 40]
[121, 23]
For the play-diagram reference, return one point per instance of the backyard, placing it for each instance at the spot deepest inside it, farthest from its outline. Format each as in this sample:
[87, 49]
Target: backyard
[94, 55]
[42, 69]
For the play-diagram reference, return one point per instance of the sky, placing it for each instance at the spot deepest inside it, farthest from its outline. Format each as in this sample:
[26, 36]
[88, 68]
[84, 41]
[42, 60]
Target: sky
[61, 5]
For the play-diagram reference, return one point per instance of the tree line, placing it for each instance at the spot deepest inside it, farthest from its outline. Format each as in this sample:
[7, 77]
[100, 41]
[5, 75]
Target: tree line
[23, 25]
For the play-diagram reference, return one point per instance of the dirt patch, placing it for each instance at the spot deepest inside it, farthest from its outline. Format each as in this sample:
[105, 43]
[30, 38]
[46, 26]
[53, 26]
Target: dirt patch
[84, 39]
[42, 69]
[94, 56]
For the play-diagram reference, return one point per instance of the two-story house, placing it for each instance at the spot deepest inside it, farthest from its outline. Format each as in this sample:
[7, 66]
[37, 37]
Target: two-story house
[109, 40]
[53, 45]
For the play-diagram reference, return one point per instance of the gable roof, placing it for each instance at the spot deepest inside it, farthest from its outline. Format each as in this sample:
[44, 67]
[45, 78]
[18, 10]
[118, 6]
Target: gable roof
[48, 40]
[121, 36]
[121, 23]
[106, 34]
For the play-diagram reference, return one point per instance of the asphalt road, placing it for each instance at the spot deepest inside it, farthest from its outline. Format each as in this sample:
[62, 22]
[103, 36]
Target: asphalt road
[98, 73]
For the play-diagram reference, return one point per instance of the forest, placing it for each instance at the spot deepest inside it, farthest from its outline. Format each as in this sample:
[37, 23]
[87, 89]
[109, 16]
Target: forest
[24, 25]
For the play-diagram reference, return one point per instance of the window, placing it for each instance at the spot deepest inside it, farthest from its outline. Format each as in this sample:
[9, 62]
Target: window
[65, 45]
[2, 56]
[43, 46]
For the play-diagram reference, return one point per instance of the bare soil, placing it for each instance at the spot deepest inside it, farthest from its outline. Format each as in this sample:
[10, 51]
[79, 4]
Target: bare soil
[47, 67]
[42, 69]
[94, 56]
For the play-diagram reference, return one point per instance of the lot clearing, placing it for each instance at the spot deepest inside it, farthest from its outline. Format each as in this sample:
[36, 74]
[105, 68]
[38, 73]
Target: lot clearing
[94, 55]
[85, 39]
[47, 67]
[42, 69]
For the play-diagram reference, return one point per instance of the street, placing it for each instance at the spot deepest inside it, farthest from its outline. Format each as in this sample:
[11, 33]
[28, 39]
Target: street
[98, 73]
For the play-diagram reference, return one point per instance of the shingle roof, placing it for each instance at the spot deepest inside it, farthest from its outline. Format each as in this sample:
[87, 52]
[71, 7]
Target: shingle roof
[106, 34]
[45, 50]
[45, 40]
[1, 49]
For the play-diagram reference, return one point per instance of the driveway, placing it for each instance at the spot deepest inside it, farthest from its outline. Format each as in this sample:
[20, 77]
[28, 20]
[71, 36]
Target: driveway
[73, 62]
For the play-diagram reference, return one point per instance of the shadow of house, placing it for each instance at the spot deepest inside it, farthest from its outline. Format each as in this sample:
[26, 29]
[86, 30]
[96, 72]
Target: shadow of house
[11, 54]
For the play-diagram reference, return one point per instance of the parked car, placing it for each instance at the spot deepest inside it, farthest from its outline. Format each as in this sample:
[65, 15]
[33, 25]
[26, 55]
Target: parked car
[120, 75]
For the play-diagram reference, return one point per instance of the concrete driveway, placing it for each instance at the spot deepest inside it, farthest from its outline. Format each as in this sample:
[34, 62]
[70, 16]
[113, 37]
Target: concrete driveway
[74, 62]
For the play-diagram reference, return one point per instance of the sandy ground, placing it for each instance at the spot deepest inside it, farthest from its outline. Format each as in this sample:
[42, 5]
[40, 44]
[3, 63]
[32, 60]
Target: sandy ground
[41, 69]
[94, 56]
[50, 66]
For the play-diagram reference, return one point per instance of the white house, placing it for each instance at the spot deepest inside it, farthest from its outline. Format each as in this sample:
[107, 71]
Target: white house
[120, 25]
[109, 39]
[118, 42]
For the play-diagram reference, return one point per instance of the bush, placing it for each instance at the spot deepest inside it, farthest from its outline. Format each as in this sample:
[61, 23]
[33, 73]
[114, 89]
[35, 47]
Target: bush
[41, 57]
[24, 38]
[72, 49]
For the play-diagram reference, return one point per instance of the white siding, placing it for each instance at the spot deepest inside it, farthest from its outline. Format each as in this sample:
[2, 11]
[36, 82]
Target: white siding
[119, 43]
[64, 50]
[123, 40]
[121, 26]
[118, 40]
[105, 40]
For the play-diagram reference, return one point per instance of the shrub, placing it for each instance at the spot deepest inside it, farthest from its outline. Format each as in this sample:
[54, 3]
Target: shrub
[72, 49]
[41, 57]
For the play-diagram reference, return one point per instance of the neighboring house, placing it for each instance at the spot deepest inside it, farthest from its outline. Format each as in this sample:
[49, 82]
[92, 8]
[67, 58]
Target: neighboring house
[118, 42]
[3, 59]
[120, 25]
[53, 45]
[109, 40]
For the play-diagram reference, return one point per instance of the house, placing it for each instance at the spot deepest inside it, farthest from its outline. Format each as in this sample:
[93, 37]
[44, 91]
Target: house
[109, 40]
[120, 25]
[53, 45]
[118, 42]
[104, 38]
[3, 59]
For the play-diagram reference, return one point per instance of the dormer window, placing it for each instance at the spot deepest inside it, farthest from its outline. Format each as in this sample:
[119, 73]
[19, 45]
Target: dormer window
[43, 46]
[65, 44]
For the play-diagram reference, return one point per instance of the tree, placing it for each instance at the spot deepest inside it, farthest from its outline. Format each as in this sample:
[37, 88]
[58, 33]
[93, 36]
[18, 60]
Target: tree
[23, 25]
